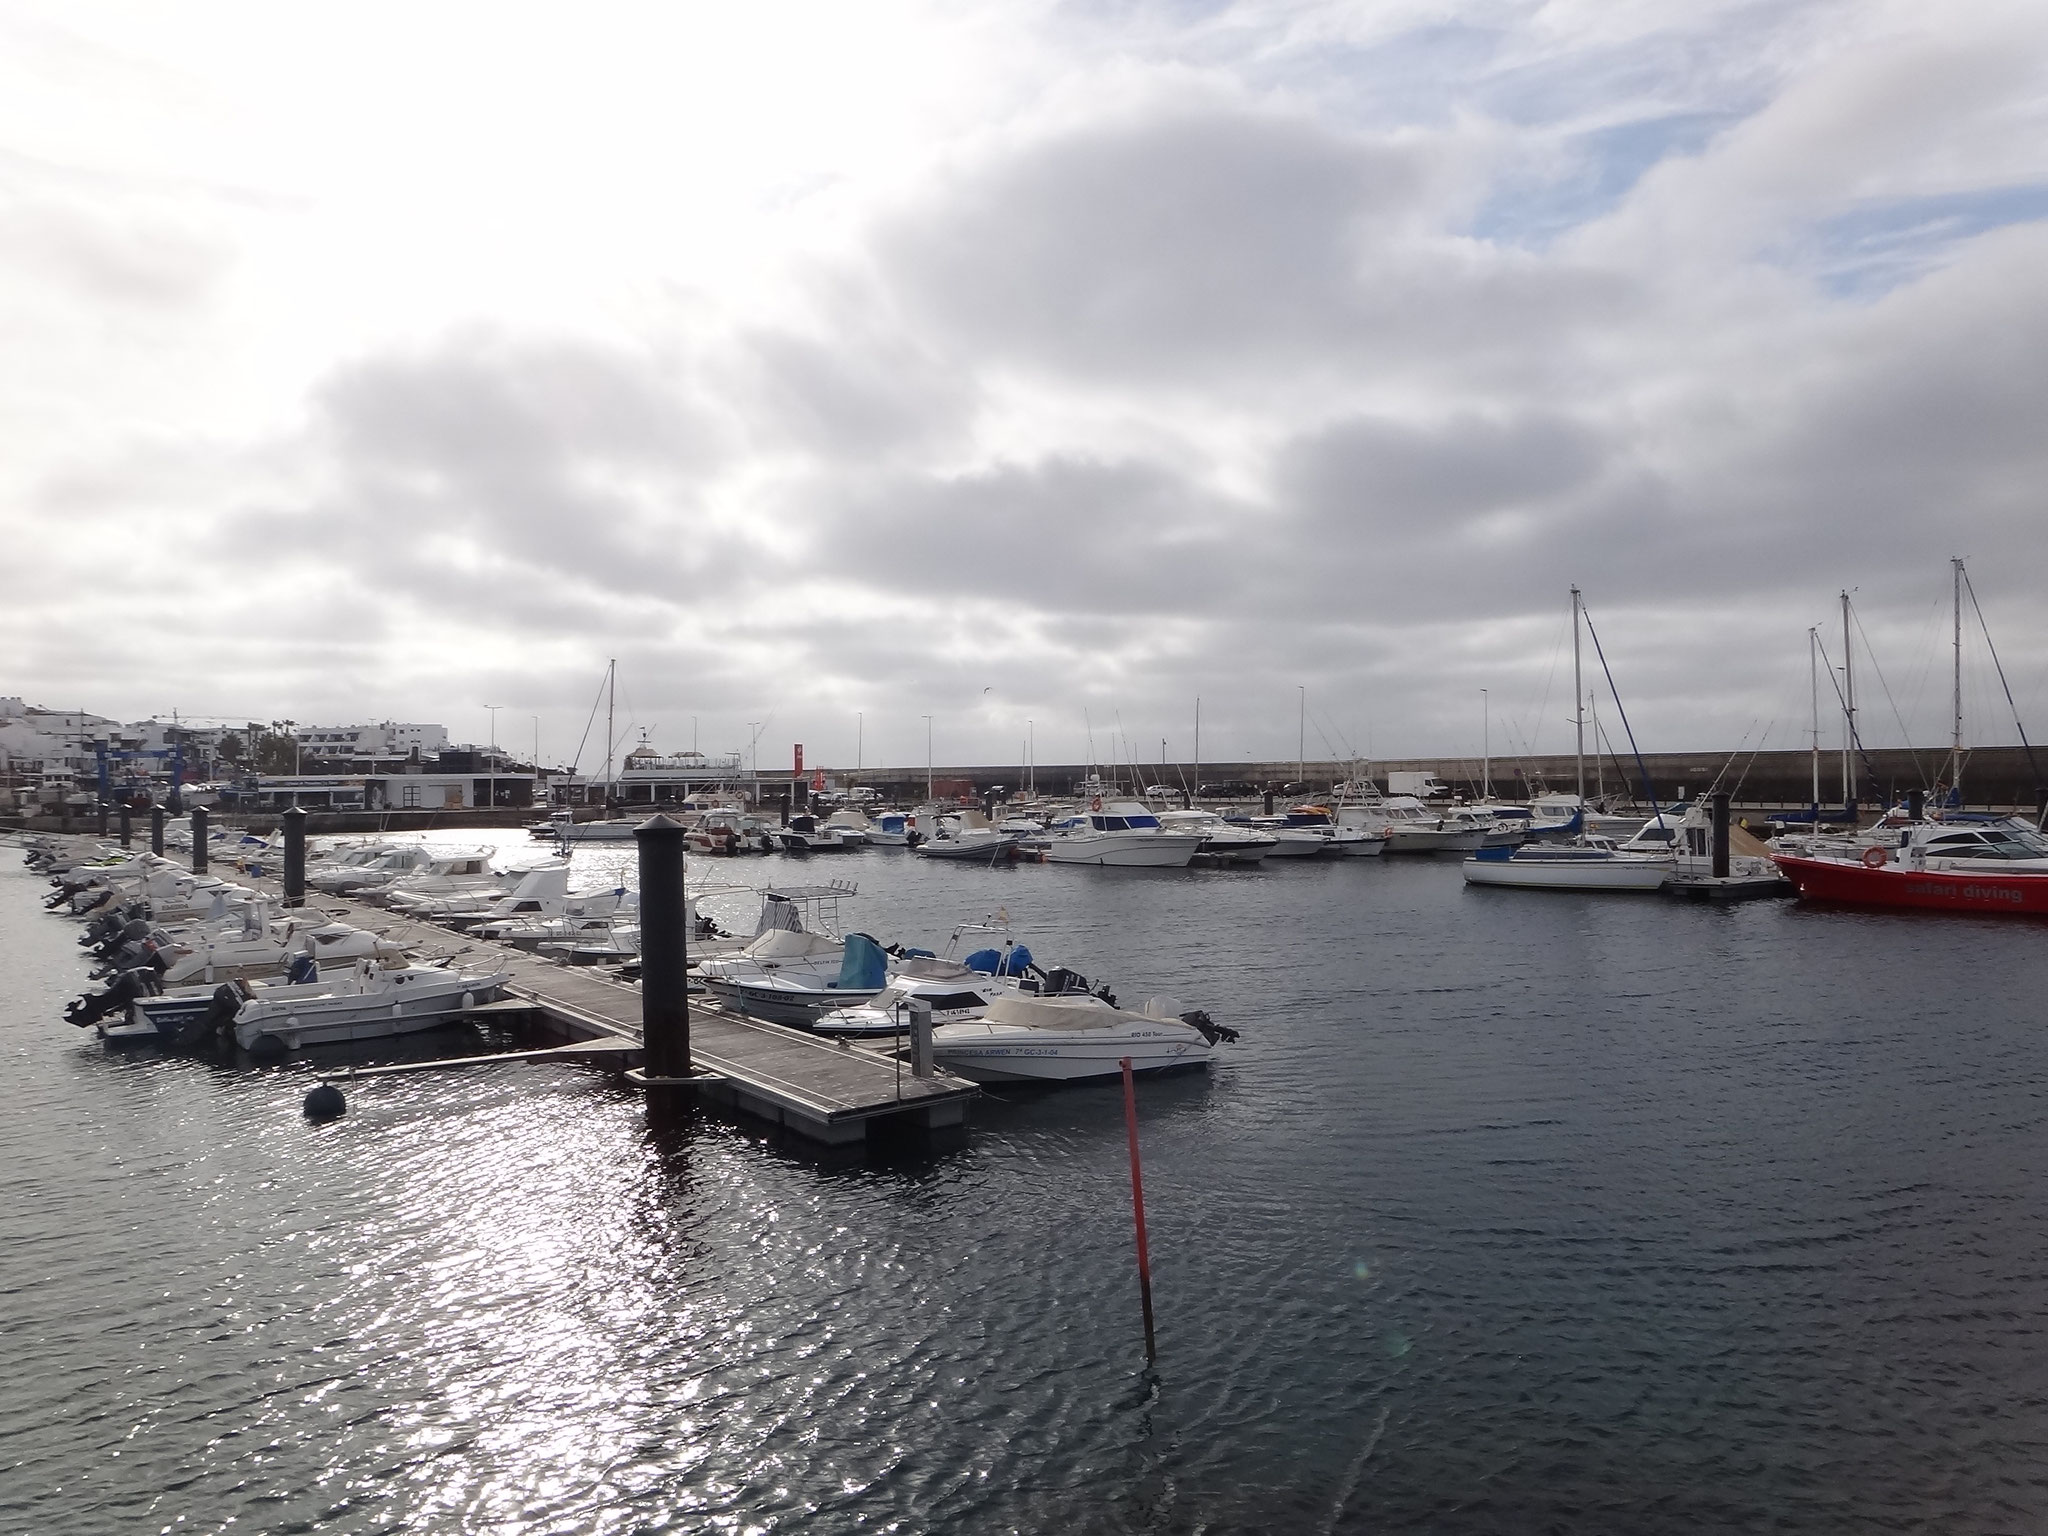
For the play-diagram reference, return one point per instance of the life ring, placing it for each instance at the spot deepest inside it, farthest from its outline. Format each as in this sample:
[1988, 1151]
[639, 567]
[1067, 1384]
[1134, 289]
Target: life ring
[1095, 804]
[1875, 858]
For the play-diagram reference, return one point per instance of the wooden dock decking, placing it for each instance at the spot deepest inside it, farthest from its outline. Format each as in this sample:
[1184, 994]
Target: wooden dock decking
[816, 1087]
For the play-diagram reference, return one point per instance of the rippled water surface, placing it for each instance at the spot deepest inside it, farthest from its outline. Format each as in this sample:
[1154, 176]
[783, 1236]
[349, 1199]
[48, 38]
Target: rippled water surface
[1510, 1212]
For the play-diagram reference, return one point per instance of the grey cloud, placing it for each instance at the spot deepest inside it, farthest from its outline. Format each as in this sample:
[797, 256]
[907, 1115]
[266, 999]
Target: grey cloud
[1198, 237]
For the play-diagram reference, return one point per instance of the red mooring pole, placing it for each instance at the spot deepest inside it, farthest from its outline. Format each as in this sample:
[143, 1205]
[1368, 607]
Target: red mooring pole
[1138, 1210]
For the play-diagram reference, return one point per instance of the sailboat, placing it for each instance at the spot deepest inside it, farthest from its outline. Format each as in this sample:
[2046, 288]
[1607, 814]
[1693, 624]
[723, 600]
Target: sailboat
[1952, 864]
[1589, 862]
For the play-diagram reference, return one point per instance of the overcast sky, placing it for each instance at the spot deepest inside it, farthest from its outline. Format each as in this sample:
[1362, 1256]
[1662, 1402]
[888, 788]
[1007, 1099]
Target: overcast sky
[1023, 362]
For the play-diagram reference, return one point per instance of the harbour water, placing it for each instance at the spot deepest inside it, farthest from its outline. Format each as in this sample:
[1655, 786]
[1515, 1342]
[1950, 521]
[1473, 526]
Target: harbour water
[1510, 1212]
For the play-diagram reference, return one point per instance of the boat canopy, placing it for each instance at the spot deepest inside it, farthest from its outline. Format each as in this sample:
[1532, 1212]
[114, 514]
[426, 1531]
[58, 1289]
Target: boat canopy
[790, 944]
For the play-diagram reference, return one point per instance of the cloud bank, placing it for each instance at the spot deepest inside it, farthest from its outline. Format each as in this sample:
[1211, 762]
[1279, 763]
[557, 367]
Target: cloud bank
[1036, 371]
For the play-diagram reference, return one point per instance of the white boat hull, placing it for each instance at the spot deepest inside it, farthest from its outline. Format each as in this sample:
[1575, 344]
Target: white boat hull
[411, 1002]
[988, 1054]
[1402, 839]
[1570, 874]
[1124, 850]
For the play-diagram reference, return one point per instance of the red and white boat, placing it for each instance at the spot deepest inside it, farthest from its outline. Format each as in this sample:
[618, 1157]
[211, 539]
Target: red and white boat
[1998, 868]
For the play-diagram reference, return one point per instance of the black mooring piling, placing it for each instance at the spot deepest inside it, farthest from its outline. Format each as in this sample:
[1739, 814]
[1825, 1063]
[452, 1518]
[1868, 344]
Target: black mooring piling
[1720, 834]
[295, 857]
[156, 830]
[664, 948]
[1916, 804]
[127, 825]
[198, 839]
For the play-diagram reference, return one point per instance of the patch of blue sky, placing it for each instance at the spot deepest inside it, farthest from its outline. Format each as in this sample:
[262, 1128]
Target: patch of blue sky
[1420, 77]
[1589, 175]
[1866, 252]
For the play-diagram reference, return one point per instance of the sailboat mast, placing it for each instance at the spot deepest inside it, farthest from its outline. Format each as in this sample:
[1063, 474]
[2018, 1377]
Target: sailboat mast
[1848, 706]
[1813, 678]
[611, 699]
[1955, 772]
[1198, 743]
[1485, 748]
[1578, 699]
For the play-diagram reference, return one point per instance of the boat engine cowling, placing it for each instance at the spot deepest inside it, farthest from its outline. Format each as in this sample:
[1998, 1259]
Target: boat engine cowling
[1210, 1030]
[89, 1009]
[219, 1019]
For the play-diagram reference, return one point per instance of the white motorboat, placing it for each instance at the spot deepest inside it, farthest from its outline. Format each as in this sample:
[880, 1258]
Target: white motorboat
[1119, 834]
[851, 823]
[1222, 842]
[1064, 1039]
[955, 991]
[891, 829]
[444, 874]
[789, 977]
[527, 925]
[966, 835]
[363, 1003]
[1358, 832]
[806, 834]
[1592, 863]
[537, 888]
[373, 874]
[1412, 827]
[262, 947]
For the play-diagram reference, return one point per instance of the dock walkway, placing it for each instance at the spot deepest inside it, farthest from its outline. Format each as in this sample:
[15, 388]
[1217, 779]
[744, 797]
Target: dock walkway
[818, 1088]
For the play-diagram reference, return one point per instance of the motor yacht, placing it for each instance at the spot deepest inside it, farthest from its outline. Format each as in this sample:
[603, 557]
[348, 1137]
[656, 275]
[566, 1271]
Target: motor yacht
[1222, 842]
[1116, 834]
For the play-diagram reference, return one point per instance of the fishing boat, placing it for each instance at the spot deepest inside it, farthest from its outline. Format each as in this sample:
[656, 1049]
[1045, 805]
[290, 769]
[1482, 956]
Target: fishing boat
[1067, 1039]
[1222, 843]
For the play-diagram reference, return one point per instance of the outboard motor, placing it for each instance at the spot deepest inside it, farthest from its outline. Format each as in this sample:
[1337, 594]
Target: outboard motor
[219, 1019]
[1211, 1031]
[1059, 981]
[89, 1009]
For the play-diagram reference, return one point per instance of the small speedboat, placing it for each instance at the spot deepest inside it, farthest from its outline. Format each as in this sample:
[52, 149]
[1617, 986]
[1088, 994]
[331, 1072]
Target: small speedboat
[967, 836]
[1066, 1039]
[793, 977]
[364, 1003]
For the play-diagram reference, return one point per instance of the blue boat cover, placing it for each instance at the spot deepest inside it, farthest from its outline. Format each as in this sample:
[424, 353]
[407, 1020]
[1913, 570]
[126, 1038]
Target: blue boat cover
[990, 962]
[304, 969]
[863, 966]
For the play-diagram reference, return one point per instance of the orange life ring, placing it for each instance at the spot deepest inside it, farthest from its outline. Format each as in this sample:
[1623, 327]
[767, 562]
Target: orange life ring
[1095, 804]
[1875, 858]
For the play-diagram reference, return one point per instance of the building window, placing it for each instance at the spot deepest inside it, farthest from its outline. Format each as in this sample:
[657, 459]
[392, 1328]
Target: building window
[409, 796]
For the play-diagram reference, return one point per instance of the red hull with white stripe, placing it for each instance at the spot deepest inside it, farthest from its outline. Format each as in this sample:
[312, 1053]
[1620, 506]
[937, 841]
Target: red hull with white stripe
[1891, 885]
